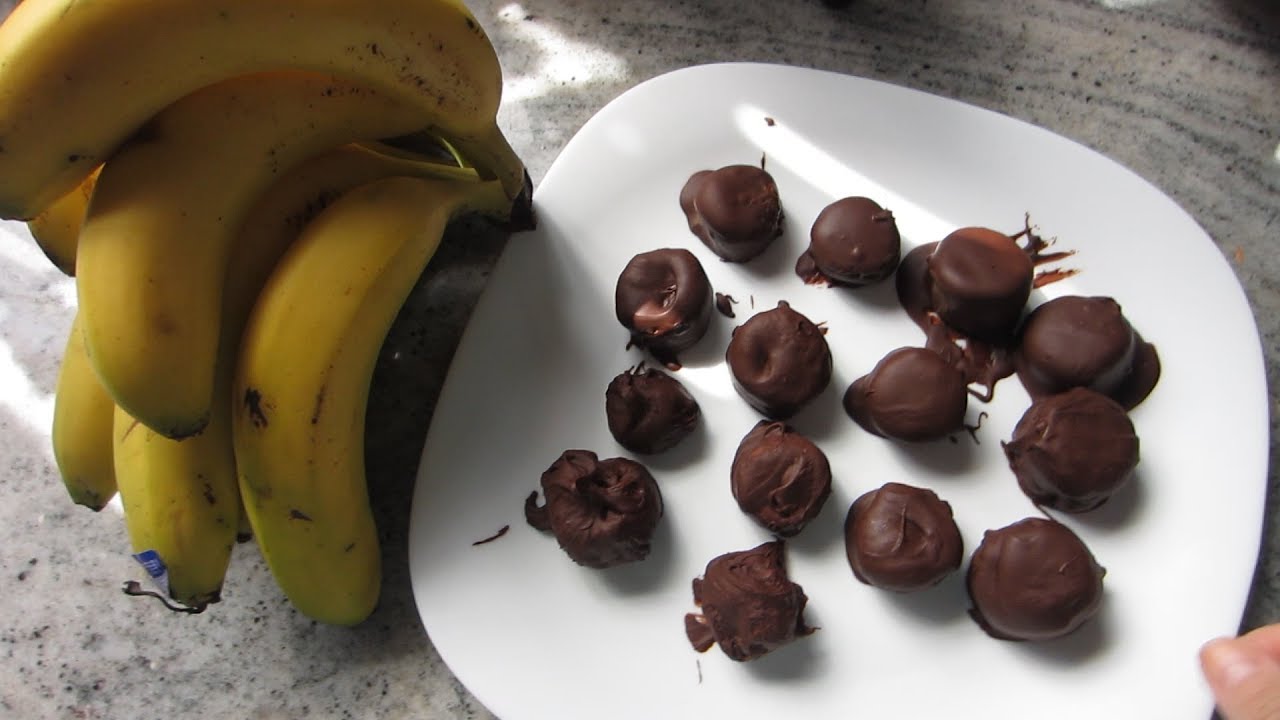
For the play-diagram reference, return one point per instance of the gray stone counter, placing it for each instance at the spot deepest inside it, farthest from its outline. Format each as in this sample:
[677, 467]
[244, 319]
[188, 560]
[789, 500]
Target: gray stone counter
[1184, 92]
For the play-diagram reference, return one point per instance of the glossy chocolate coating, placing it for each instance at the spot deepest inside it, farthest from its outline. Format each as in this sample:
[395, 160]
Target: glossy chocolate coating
[779, 361]
[853, 242]
[664, 299]
[735, 210]
[979, 282]
[602, 512]
[1073, 451]
[649, 411]
[1033, 580]
[912, 394]
[902, 538]
[749, 605]
[1075, 341]
[779, 477]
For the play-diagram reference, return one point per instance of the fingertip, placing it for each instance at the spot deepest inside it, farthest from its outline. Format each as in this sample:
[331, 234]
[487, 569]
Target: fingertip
[1227, 662]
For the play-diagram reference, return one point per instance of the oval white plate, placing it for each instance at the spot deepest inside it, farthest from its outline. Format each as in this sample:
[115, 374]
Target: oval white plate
[534, 636]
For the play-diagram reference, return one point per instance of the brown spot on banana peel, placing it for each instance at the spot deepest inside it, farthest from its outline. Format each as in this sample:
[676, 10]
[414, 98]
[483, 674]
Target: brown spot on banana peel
[296, 514]
[128, 430]
[319, 406]
[253, 404]
[164, 324]
[209, 497]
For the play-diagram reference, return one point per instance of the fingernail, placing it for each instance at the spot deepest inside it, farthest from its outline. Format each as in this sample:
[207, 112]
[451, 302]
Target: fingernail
[1228, 663]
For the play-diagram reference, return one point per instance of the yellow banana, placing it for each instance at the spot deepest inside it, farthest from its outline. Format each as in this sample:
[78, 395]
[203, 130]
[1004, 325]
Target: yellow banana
[79, 78]
[181, 499]
[57, 228]
[289, 204]
[153, 251]
[82, 413]
[302, 382]
[181, 503]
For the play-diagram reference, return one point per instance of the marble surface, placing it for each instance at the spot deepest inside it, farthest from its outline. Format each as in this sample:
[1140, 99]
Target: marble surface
[1184, 92]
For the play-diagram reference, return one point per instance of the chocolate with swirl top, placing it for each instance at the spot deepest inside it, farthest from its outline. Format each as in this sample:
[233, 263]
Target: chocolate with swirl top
[853, 242]
[749, 606]
[912, 394]
[1033, 580]
[902, 538]
[779, 360]
[1074, 341]
[779, 477]
[1072, 451]
[602, 512]
[735, 210]
[663, 297]
[649, 411]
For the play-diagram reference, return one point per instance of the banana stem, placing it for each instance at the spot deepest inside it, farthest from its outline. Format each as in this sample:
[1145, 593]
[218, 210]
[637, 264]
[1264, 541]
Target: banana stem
[494, 157]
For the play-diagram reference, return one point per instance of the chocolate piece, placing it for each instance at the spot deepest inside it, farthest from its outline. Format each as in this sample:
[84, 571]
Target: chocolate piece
[1033, 580]
[724, 304]
[649, 411]
[663, 298]
[979, 282]
[1073, 451]
[1075, 341]
[779, 361]
[912, 394]
[853, 242]
[902, 538]
[749, 605]
[735, 210]
[602, 512]
[779, 477]
[981, 362]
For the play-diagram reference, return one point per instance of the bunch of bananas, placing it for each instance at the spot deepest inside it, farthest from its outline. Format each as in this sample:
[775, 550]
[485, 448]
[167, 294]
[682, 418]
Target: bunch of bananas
[241, 192]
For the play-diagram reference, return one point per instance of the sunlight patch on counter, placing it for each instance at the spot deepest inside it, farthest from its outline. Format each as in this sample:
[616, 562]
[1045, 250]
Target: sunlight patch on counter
[562, 61]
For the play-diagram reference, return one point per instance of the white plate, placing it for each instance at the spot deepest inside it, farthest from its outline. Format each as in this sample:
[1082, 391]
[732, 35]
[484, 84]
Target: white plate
[534, 636]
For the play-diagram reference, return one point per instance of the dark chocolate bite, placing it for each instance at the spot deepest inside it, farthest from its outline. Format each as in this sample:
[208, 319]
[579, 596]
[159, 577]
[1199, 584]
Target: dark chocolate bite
[853, 242]
[602, 512]
[1073, 451]
[1033, 580]
[779, 477]
[979, 282]
[735, 210]
[1075, 341]
[902, 538]
[912, 394]
[664, 299]
[649, 411]
[749, 605]
[779, 361]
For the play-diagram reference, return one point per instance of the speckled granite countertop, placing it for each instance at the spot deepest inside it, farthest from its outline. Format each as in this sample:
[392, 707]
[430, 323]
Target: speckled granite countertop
[1184, 92]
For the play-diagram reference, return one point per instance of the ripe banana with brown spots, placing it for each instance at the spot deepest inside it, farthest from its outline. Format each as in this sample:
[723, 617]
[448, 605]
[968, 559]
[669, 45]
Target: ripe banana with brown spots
[79, 78]
[302, 384]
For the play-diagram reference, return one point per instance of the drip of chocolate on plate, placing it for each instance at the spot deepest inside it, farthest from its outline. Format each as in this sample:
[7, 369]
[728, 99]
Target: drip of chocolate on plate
[968, 292]
[724, 304]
